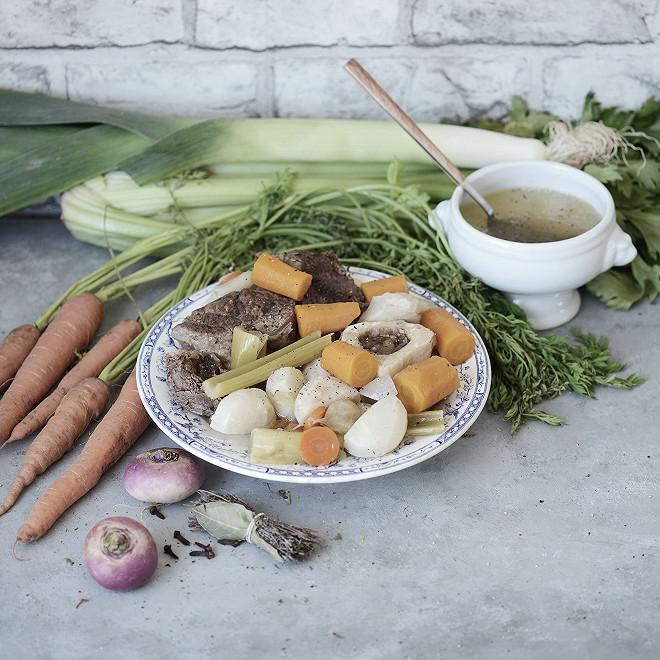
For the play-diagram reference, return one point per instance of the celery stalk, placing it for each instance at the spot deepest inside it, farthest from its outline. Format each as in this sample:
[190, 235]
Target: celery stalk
[264, 360]
[258, 371]
[275, 447]
[246, 347]
[429, 422]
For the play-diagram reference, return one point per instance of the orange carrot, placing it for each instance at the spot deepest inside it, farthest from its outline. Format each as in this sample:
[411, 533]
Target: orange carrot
[111, 439]
[230, 276]
[84, 403]
[349, 363]
[452, 339]
[91, 364]
[315, 417]
[68, 333]
[423, 384]
[319, 445]
[272, 274]
[325, 317]
[14, 348]
[395, 284]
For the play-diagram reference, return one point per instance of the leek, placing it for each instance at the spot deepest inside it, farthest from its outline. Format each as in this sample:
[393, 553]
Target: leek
[256, 372]
[82, 141]
[430, 422]
[274, 447]
[246, 347]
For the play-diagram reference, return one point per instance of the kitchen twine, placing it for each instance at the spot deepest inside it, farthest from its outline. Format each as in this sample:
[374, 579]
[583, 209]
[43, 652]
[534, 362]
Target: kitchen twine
[251, 527]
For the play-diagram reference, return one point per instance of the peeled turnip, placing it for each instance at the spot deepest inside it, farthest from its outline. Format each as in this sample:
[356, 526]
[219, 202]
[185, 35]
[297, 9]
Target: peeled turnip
[321, 392]
[282, 388]
[120, 553]
[379, 430]
[242, 411]
[395, 307]
[163, 475]
[378, 388]
[341, 415]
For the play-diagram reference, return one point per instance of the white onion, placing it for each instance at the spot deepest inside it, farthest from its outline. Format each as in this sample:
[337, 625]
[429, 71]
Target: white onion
[282, 387]
[341, 415]
[313, 370]
[322, 392]
[242, 411]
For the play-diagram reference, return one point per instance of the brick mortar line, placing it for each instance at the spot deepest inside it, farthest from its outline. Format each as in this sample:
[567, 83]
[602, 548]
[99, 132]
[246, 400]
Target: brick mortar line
[404, 48]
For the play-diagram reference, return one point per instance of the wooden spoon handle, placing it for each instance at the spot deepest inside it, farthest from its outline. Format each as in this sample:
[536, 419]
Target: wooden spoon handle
[394, 110]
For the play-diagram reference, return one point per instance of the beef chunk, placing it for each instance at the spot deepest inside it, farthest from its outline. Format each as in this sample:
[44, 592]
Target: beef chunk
[186, 371]
[210, 328]
[331, 282]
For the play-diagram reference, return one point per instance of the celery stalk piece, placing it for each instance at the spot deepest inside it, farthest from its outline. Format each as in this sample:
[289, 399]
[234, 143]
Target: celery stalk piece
[429, 422]
[246, 347]
[233, 373]
[258, 371]
[426, 429]
[275, 447]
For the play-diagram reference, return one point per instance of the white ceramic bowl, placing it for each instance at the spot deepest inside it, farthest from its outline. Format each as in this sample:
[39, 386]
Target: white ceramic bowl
[540, 277]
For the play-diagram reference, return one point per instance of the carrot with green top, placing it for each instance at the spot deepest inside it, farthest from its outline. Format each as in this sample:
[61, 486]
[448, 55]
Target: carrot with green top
[72, 329]
[79, 407]
[91, 364]
[111, 439]
[14, 348]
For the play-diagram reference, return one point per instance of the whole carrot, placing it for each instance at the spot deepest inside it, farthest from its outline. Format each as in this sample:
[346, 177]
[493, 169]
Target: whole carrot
[82, 404]
[91, 364]
[115, 434]
[69, 333]
[14, 348]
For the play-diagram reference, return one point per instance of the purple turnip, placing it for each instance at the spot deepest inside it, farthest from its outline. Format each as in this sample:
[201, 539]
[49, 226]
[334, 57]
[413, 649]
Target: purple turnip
[164, 476]
[120, 553]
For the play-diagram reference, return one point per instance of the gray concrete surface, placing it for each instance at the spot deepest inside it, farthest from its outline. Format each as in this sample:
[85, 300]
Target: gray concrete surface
[538, 545]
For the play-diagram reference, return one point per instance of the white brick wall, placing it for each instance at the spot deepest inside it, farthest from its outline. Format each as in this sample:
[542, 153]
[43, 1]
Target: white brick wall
[439, 58]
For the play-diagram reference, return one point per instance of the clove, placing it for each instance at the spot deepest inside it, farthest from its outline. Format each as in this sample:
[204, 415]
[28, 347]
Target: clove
[181, 538]
[169, 552]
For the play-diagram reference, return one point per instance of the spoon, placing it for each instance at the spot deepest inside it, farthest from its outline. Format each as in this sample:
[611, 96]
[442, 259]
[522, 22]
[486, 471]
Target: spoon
[387, 103]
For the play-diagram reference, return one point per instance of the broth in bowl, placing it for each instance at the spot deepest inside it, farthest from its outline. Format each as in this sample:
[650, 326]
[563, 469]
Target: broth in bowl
[532, 215]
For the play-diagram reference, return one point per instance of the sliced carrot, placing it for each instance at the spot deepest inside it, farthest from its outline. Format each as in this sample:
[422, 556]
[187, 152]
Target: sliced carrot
[330, 317]
[315, 417]
[14, 348]
[319, 445]
[272, 274]
[422, 385]
[349, 363]
[452, 339]
[396, 284]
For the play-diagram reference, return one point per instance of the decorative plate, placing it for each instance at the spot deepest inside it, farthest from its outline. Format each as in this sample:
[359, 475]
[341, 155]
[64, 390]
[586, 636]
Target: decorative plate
[193, 433]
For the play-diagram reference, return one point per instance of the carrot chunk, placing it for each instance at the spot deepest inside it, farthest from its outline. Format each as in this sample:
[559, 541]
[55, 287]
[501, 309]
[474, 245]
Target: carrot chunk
[330, 317]
[315, 417]
[396, 284]
[319, 445]
[271, 273]
[422, 385]
[453, 340]
[349, 363]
